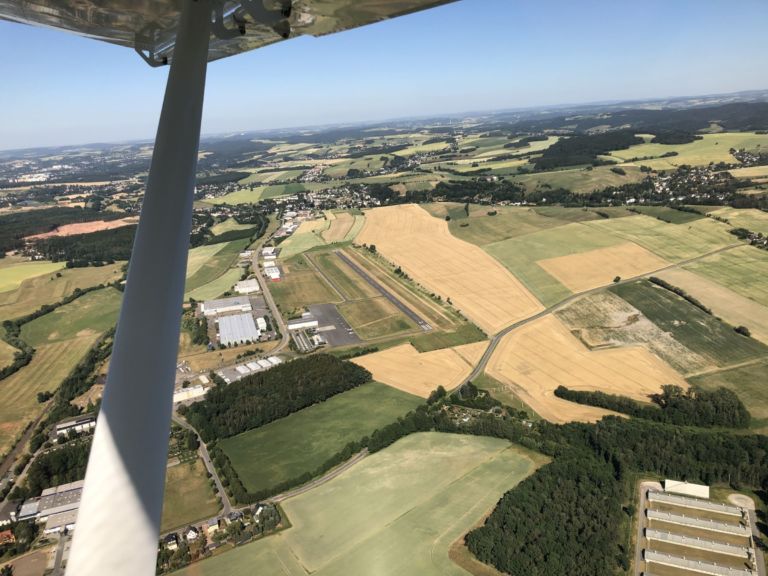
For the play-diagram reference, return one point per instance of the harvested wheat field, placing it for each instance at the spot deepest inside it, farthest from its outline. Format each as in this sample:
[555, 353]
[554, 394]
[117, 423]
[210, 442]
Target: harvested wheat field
[341, 224]
[86, 227]
[402, 367]
[727, 304]
[477, 285]
[542, 355]
[587, 270]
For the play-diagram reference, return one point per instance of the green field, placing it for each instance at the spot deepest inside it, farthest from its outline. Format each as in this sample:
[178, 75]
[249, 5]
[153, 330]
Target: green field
[753, 219]
[188, 496]
[690, 326]
[300, 286]
[273, 176]
[50, 288]
[254, 195]
[197, 257]
[228, 225]
[216, 287]
[668, 214]
[348, 282]
[89, 315]
[215, 265]
[303, 441]
[300, 242]
[579, 180]
[13, 273]
[742, 269]
[18, 393]
[375, 318]
[748, 382]
[520, 254]
[396, 513]
[711, 148]
[464, 334]
[673, 242]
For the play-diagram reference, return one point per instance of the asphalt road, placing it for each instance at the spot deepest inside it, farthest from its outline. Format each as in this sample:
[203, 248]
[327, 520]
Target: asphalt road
[480, 368]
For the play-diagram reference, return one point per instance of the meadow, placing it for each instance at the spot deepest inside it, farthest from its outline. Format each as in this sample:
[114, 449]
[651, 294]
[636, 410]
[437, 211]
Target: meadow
[14, 272]
[464, 333]
[751, 219]
[50, 288]
[188, 496]
[476, 285]
[580, 180]
[89, 315]
[743, 270]
[398, 510]
[668, 214]
[300, 443]
[346, 281]
[375, 318]
[300, 286]
[693, 328]
[228, 225]
[213, 265]
[307, 236]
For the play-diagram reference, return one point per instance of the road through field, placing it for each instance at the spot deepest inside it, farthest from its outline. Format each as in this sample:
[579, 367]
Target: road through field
[481, 365]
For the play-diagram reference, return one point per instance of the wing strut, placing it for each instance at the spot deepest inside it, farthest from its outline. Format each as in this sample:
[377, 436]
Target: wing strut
[119, 518]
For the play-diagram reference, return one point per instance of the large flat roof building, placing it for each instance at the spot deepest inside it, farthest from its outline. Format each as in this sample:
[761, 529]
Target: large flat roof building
[225, 305]
[249, 286]
[237, 329]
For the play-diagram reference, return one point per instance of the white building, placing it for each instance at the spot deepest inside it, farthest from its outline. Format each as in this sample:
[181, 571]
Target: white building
[261, 324]
[224, 305]
[269, 251]
[306, 321]
[189, 393]
[273, 273]
[249, 286]
[246, 254]
[686, 488]
[237, 329]
[78, 424]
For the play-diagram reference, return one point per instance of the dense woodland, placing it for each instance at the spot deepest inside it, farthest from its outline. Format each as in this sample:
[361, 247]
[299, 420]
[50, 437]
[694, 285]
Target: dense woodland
[58, 466]
[585, 149]
[694, 407]
[16, 226]
[266, 396]
[93, 249]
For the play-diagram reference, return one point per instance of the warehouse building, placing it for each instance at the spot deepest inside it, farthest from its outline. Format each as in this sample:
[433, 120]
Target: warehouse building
[272, 272]
[78, 424]
[306, 322]
[250, 286]
[225, 305]
[237, 329]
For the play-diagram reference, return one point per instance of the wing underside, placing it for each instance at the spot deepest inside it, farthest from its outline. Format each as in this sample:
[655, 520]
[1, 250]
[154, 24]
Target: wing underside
[150, 25]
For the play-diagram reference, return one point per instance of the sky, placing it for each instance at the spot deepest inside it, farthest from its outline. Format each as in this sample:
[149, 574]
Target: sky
[471, 55]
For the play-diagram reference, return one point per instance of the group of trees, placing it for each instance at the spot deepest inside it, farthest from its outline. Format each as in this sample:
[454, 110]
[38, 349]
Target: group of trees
[266, 396]
[92, 249]
[57, 466]
[694, 407]
[196, 327]
[585, 149]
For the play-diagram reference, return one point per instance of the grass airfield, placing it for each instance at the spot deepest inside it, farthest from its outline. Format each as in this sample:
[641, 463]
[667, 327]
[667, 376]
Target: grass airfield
[395, 513]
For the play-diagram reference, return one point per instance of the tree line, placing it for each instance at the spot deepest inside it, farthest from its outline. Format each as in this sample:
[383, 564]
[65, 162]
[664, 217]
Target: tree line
[265, 396]
[694, 407]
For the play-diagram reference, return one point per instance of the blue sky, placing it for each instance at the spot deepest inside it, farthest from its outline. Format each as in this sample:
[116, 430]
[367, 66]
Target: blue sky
[471, 55]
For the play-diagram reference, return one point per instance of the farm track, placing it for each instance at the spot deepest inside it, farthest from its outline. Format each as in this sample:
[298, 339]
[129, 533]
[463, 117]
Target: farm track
[496, 338]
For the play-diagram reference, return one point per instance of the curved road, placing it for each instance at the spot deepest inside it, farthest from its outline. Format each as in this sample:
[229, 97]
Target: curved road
[496, 338]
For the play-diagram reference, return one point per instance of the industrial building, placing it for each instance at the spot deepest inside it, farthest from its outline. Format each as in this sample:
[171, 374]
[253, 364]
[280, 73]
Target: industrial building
[190, 393]
[78, 424]
[686, 488]
[57, 507]
[272, 272]
[249, 286]
[306, 322]
[237, 329]
[225, 305]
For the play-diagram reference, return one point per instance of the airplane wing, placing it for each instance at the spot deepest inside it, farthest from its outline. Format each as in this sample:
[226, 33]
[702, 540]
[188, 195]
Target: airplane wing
[150, 25]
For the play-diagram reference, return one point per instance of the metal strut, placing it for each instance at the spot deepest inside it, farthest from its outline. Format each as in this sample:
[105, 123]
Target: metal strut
[119, 518]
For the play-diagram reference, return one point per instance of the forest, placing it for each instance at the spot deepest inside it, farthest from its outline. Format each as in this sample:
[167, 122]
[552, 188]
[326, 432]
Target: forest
[16, 226]
[266, 396]
[585, 149]
[92, 249]
[694, 407]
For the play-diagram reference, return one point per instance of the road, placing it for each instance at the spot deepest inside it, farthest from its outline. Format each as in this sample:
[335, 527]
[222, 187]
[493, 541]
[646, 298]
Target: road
[496, 338]
[203, 451]
[420, 322]
[330, 475]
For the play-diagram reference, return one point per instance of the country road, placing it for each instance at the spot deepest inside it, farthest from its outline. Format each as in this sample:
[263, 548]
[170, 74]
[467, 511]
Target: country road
[496, 338]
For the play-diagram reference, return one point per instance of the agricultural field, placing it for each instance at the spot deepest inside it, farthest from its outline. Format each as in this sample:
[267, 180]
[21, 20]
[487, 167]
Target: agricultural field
[403, 507]
[712, 148]
[215, 264]
[734, 308]
[300, 286]
[270, 455]
[50, 288]
[668, 214]
[465, 333]
[404, 368]
[751, 219]
[603, 320]
[271, 176]
[521, 255]
[587, 270]
[748, 382]
[538, 357]
[307, 236]
[6, 353]
[343, 227]
[216, 287]
[579, 180]
[18, 394]
[751, 172]
[477, 285]
[743, 270]
[699, 332]
[15, 271]
[188, 495]
[88, 316]
[228, 225]
[673, 242]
